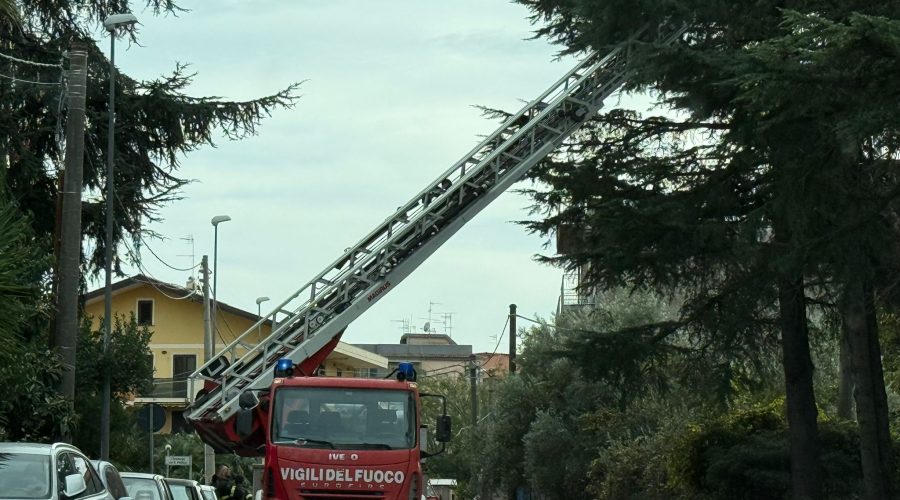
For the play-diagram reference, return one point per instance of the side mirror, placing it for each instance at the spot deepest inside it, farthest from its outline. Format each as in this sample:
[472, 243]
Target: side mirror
[248, 400]
[444, 432]
[74, 485]
[243, 423]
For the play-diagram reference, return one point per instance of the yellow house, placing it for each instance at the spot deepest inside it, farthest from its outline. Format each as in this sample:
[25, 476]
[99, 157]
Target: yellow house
[174, 315]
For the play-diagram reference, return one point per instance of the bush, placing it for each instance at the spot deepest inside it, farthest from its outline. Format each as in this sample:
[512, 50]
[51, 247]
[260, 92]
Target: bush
[746, 455]
[632, 469]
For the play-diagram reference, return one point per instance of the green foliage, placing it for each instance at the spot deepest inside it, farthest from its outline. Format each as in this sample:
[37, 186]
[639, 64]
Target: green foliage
[8, 12]
[30, 407]
[559, 425]
[745, 454]
[632, 469]
[555, 456]
[157, 122]
[127, 360]
[454, 462]
[131, 372]
[21, 280]
[183, 444]
[774, 162]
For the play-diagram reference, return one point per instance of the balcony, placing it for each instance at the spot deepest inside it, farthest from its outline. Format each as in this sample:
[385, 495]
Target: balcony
[168, 388]
[573, 294]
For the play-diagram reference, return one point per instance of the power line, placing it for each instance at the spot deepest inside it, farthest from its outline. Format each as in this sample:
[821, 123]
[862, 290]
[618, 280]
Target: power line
[27, 81]
[32, 63]
[499, 339]
[444, 370]
[216, 323]
[164, 262]
[140, 238]
[148, 274]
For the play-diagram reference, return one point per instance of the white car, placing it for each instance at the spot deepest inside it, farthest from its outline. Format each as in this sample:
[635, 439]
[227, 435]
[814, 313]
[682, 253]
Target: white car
[111, 478]
[184, 489]
[30, 471]
[143, 486]
[209, 493]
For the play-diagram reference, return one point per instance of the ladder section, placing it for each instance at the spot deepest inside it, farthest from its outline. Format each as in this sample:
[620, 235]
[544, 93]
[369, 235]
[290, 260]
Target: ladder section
[321, 309]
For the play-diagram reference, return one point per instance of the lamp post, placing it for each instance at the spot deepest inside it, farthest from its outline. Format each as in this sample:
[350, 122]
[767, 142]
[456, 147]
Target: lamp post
[259, 300]
[215, 320]
[112, 24]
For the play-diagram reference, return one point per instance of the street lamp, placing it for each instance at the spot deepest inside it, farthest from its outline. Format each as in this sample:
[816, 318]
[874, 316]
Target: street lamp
[112, 24]
[215, 222]
[259, 300]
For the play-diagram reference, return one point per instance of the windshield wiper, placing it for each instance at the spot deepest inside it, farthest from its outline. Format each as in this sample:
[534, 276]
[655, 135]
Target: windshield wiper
[304, 441]
[375, 446]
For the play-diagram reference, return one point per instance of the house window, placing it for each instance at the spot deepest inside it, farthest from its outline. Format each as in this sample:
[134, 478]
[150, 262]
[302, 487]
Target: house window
[145, 312]
[183, 365]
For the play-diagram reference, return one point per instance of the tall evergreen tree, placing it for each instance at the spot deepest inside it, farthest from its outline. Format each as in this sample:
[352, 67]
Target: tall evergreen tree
[157, 121]
[755, 196]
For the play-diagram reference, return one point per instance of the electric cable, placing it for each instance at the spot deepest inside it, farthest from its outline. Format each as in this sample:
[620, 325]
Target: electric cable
[444, 370]
[144, 242]
[215, 322]
[499, 339]
[32, 63]
[140, 237]
[147, 273]
[32, 82]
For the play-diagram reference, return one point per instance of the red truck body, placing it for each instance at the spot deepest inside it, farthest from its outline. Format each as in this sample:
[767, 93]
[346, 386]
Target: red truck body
[347, 438]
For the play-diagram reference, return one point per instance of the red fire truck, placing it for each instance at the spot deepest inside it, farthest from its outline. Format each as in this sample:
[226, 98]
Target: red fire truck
[330, 438]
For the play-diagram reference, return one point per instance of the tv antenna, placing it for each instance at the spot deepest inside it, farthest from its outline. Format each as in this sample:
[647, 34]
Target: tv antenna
[190, 239]
[404, 325]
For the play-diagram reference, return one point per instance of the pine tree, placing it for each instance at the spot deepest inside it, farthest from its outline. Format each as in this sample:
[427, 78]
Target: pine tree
[777, 186]
[157, 122]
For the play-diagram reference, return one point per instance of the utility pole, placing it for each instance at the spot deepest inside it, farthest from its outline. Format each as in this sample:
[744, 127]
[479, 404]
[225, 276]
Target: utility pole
[473, 378]
[207, 326]
[209, 350]
[512, 338]
[66, 325]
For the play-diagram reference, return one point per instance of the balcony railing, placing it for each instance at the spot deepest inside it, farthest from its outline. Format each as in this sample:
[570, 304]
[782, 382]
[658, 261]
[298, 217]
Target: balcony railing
[168, 388]
[572, 293]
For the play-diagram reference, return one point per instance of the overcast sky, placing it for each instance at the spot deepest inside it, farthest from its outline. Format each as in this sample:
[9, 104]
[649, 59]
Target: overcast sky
[386, 107]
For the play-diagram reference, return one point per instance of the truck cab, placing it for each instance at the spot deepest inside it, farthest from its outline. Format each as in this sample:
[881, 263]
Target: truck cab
[332, 437]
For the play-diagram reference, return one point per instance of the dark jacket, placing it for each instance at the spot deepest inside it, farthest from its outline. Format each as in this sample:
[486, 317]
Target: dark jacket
[223, 487]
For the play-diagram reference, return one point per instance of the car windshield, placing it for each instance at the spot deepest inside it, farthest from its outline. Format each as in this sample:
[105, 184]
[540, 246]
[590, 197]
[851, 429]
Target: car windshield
[141, 488]
[209, 495]
[24, 475]
[344, 418]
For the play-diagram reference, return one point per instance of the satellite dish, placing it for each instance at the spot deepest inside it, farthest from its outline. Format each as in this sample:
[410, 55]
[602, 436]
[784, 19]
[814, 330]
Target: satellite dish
[427, 327]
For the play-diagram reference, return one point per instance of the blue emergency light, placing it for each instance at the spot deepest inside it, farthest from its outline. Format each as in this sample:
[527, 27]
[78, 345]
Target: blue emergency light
[406, 371]
[284, 368]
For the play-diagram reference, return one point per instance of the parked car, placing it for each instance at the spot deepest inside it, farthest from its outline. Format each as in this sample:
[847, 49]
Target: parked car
[184, 489]
[48, 471]
[209, 493]
[141, 486]
[111, 478]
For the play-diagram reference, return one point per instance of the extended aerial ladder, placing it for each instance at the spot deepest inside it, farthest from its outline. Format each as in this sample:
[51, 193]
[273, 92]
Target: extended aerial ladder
[318, 313]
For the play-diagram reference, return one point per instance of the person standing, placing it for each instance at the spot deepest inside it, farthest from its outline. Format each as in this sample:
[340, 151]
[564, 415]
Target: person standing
[239, 491]
[222, 482]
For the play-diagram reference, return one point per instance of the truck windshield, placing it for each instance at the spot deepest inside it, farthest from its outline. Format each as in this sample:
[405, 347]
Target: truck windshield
[344, 418]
